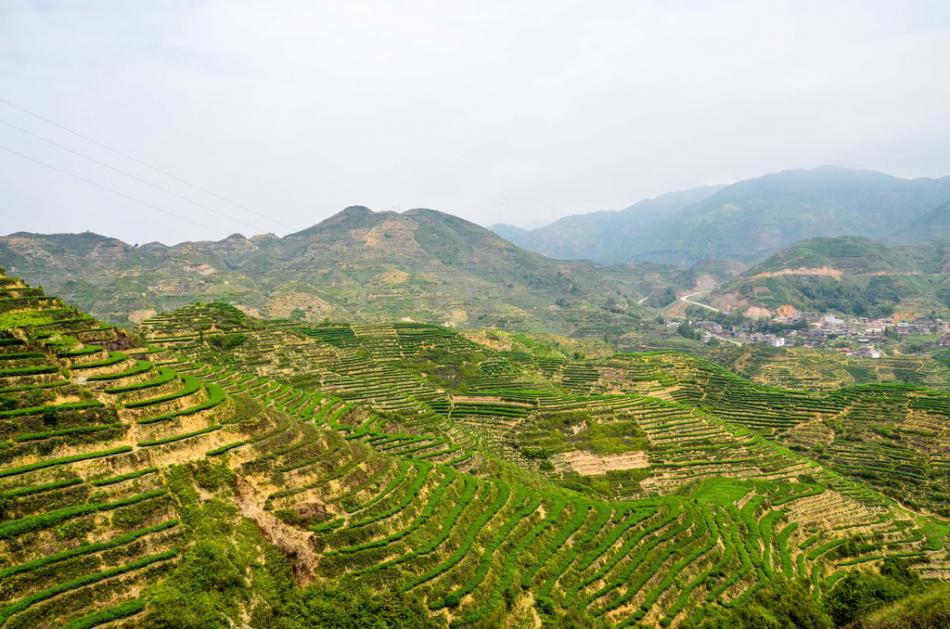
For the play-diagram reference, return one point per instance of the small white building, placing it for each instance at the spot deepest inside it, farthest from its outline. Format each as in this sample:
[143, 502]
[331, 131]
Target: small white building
[867, 351]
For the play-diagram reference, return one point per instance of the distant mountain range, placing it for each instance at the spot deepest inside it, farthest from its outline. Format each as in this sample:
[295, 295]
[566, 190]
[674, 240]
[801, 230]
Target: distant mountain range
[357, 265]
[749, 220]
[431, 266]
[606, 236]
[934, 225]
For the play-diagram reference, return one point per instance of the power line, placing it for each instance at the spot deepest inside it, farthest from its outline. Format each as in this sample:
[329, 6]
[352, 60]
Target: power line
[142, 163]
[106, 188]
[130, 175]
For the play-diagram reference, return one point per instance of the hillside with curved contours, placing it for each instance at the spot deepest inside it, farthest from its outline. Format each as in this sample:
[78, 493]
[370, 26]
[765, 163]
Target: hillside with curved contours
[216, 469]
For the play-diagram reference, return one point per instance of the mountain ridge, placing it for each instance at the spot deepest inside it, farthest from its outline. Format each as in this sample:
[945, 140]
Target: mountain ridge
[363, 264]
[600, 236]
[934, 225]
[753, 218]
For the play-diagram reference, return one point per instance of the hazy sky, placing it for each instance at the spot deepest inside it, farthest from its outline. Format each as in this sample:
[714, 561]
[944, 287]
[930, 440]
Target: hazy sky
[519, 112]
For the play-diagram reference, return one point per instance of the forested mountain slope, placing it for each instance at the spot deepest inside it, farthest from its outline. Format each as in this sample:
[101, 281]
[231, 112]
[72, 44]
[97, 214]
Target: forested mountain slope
[607, 236]
[934, 225]
[751, 219]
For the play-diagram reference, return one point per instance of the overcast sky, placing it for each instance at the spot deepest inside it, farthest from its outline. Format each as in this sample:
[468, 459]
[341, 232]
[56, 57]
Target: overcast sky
[517, 112]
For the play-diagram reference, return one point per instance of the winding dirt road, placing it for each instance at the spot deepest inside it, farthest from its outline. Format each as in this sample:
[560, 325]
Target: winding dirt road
[686, 299]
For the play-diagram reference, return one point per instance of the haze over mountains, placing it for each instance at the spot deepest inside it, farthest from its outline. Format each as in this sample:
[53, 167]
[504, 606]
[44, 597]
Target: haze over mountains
[604, 236]
[747, 220]
[934, 225]
[432, 266]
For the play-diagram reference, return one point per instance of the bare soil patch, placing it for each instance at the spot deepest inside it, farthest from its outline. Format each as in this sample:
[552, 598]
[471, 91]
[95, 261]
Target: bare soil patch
[589, 464]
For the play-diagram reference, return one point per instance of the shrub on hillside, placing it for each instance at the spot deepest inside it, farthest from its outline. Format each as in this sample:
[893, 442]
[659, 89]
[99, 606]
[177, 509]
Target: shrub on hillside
[785, 605]
[862, 592]
[227, 341]
[345, 605]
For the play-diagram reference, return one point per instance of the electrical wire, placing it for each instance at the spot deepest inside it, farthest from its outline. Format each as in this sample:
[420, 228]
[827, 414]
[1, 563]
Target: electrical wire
[141, 162]
[131, 176]
[106, 188]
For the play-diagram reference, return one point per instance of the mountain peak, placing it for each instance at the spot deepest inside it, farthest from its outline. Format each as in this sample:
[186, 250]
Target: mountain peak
[350, 217]
[355, 210]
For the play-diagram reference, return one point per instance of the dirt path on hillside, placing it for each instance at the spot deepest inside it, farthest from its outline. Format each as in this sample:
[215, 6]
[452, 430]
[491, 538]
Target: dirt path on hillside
[686, 299]
[816, 271]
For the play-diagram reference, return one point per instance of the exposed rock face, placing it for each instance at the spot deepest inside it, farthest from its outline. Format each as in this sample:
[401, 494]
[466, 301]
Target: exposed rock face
[758, 313]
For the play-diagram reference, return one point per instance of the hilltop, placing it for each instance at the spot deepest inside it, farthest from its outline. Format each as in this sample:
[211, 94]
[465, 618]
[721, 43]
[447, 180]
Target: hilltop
[747, 220]
[357, 264]
[851, 275]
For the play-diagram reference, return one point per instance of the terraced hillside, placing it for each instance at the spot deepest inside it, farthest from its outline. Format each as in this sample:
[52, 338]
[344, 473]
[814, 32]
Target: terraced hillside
[852, 275]
[191, 477]
[824, 370]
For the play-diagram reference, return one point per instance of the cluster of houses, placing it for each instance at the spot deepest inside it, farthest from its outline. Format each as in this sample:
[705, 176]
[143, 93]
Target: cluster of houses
[858, 336]
[833, 324]
[738, 335]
